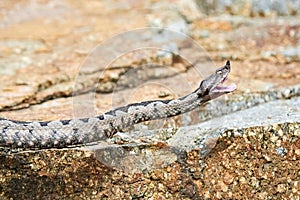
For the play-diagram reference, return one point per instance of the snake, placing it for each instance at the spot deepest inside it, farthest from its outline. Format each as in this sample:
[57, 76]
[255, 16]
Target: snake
[77, 131]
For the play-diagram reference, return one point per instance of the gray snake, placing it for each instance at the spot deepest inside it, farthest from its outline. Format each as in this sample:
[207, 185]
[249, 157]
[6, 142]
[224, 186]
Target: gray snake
[64, 133]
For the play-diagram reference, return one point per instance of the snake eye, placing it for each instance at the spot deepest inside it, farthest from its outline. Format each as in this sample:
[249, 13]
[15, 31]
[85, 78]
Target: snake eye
[219, 72]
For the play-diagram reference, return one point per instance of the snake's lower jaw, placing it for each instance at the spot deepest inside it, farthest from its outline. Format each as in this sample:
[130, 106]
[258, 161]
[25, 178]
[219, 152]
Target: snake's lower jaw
[225, 89]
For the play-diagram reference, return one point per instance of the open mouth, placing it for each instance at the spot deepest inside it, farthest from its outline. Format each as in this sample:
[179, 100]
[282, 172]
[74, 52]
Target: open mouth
[224, 88]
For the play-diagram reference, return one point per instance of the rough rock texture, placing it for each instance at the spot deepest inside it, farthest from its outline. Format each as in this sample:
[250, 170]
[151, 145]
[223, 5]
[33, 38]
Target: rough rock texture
[65, 59]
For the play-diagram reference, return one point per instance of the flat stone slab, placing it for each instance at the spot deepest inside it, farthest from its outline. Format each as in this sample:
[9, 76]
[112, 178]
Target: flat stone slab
[274, 112]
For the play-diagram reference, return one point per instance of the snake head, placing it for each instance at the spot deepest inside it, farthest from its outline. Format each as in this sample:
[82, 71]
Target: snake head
[212, 87]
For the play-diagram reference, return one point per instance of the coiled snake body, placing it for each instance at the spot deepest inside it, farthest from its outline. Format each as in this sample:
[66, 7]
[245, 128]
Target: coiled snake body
[63, 133]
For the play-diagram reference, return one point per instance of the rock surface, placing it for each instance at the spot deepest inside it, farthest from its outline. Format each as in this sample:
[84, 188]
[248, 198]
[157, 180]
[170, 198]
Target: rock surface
[65, 59]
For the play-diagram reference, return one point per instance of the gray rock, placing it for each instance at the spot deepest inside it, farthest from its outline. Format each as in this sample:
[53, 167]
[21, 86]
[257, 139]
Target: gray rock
[275, 112]
[251, 7]
[293, 52]
[266, 7]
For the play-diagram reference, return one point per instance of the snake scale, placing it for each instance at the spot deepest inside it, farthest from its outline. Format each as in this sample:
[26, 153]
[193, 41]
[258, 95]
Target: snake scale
[64, 133]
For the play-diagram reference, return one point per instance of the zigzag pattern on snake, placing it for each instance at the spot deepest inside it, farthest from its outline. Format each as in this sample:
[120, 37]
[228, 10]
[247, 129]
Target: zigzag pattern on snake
[63, 133]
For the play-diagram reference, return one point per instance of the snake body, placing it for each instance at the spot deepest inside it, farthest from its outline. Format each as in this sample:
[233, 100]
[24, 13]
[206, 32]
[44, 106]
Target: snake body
[63, 133]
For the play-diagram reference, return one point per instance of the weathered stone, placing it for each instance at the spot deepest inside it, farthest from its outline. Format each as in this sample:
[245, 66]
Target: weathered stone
[241, 146]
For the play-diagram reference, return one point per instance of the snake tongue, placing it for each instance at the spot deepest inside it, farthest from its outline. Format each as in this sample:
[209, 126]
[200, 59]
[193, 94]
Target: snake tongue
[221, 88]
